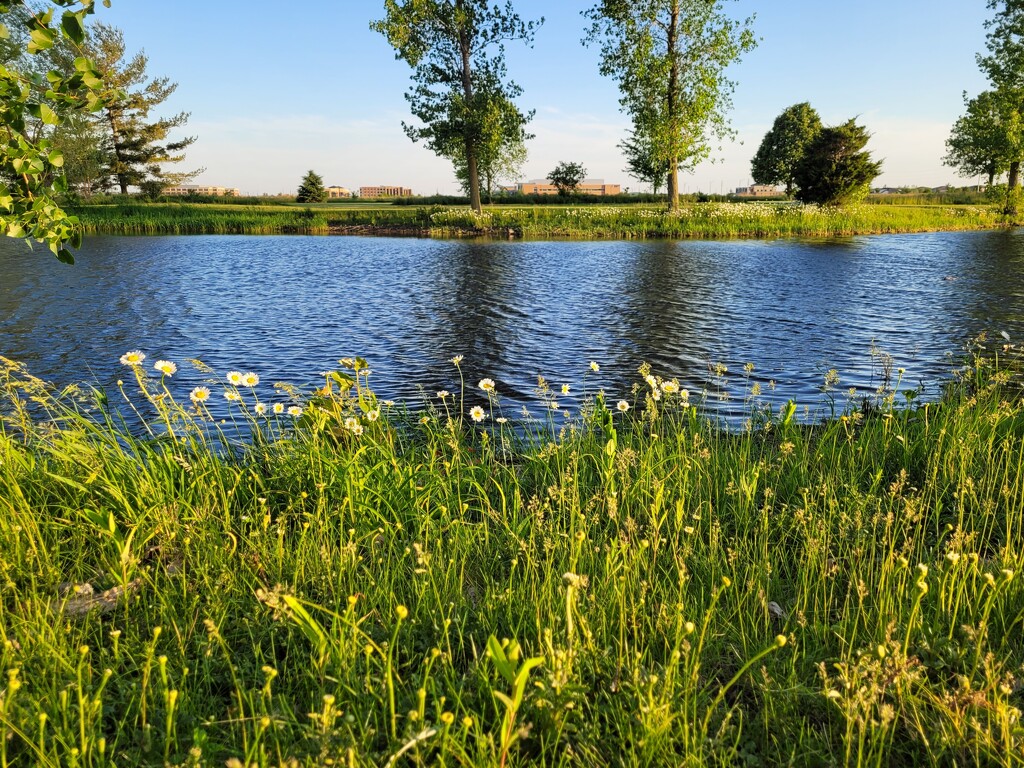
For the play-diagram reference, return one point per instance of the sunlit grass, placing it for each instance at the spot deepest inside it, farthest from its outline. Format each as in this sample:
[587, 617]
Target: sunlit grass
[701, 220]
[359, 584]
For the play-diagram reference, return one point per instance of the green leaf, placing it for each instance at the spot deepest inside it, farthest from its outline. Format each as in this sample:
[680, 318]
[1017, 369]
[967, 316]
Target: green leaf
[5, 33]
[509, 704]
[48, 116]
[42, 40]
[71, 23]
[501, 663]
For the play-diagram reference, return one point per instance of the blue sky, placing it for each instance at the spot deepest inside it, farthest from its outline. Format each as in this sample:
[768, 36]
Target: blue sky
[275, 89]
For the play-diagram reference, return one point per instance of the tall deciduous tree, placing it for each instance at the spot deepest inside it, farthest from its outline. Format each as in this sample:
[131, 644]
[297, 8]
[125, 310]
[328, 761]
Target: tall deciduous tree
[501, 152]
[1004, 66]
[783, 146]
[311, 189]
[669, 57]
[30, 167]
[137, 145]
[80, 141]
[834, 168]
[642, 160]
[456, 49]
[986, 139]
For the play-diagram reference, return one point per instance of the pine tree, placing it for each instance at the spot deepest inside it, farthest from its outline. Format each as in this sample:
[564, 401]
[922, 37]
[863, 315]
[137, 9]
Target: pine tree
[311, 190]
[835, 169]
[136, 147]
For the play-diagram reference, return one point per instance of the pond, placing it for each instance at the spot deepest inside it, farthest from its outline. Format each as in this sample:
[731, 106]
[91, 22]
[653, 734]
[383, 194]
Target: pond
[289, 307]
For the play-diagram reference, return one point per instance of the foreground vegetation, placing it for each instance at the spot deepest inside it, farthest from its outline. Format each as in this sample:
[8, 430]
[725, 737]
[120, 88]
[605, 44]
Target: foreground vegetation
[701, 220]
[354, 584]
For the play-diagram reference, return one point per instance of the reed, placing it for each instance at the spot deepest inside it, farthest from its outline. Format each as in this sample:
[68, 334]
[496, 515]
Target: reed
[699, 220]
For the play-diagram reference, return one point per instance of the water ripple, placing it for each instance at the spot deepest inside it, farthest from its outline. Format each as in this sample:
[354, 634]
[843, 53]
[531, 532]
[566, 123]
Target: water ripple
[289, 307]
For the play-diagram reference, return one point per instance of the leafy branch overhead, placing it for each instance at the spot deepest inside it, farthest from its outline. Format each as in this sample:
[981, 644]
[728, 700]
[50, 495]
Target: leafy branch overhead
[30, 167]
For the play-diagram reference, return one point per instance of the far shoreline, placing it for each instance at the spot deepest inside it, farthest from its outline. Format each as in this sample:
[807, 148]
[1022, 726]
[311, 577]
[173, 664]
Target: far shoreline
[694, 221]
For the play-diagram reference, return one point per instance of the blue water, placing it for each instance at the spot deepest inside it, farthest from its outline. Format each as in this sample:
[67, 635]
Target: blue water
[289, 307]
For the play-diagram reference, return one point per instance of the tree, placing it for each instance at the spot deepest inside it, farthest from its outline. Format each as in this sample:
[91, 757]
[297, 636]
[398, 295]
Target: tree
[79, 140]
[784, 145]
[642, 161]
[986, 139]
[311, 190]
[137, 148]
[669, 57]
[30, 167]
[567, 176]
[1004, 66]
[501, 152]
[456, 49]
[835, 169]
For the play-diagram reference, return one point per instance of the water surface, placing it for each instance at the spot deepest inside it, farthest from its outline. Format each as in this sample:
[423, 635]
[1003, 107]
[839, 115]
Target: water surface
[289, 307]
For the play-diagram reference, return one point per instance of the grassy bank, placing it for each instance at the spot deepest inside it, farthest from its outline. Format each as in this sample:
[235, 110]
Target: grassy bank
[699, 220]
[355, 585]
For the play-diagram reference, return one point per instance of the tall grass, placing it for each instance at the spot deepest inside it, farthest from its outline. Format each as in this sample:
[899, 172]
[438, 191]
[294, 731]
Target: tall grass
[184, 219]
[702, 220]
[357, 585]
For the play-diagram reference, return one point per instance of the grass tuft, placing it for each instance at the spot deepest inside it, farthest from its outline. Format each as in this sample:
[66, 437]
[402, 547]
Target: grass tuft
[356, 584]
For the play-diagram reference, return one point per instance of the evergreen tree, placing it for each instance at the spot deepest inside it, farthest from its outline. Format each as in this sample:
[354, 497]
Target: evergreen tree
[783, 146]
[136, 145]
[835, 169]
[311, 190]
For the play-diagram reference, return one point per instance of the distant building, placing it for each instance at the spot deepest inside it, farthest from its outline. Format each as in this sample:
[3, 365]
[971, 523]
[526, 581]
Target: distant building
[338, 192]
[198, 189]
[385, 192]
[758, 190]
[586, 187]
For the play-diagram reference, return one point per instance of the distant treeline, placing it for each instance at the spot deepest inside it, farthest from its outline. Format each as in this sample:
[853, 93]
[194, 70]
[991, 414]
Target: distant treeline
[578, 199]
[75, 200]
[951, 197]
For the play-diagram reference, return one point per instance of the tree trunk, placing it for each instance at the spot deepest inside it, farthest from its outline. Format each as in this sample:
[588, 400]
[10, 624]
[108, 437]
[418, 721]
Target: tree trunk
[673, 82]
[122, 179]
[472, 170]
[1012, 185]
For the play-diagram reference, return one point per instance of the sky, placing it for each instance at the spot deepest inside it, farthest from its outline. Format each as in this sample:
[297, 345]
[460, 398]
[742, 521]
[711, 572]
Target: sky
[275, 89]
